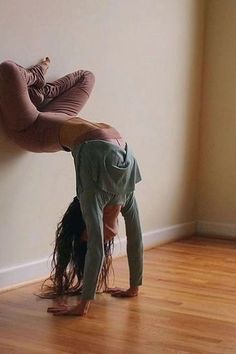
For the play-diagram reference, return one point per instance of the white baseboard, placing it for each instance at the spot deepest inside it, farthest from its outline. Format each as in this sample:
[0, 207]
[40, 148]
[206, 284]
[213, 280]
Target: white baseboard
[218, 229]
[27, 273]
[158, 237]
[23, 274]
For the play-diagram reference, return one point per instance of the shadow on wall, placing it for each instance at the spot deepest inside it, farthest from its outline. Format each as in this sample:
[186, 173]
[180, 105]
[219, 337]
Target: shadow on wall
[9, 151]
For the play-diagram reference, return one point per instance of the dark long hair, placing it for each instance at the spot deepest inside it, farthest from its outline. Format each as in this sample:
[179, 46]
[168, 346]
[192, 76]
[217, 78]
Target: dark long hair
[68, 257]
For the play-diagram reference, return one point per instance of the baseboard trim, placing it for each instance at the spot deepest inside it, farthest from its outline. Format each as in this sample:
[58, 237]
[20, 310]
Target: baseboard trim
[158, 237]
[24, 274]
[216, 229]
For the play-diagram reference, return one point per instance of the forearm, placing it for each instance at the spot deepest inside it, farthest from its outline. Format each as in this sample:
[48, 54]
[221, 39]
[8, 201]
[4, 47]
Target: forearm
[134, 242]
[135, 261]
[93, 263]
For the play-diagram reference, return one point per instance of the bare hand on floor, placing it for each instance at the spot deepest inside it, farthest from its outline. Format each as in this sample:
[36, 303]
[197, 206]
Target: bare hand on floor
[64, 310]
[117, 292]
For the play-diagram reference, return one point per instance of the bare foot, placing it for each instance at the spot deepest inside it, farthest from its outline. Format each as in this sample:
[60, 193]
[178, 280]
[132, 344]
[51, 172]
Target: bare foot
[46, 61]
[39, 71]
[44, 64]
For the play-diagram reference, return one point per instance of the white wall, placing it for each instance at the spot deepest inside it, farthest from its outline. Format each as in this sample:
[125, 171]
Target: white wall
[146, 56]
[217, 169]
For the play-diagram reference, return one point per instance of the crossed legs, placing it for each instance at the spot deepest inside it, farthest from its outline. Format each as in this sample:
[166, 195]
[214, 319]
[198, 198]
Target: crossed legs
[24, 93]
[65, 95]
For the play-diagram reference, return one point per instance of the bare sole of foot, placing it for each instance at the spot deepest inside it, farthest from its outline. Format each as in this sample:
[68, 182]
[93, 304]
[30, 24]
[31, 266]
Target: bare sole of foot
[39, 71]
[46, 60]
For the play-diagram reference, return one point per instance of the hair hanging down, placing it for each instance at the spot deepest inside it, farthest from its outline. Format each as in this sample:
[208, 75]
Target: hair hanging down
[68, 259]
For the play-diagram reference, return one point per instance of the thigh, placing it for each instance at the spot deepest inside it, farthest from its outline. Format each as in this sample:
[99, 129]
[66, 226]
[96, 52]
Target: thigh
[70, 93]
[17, 111]
[70, 102]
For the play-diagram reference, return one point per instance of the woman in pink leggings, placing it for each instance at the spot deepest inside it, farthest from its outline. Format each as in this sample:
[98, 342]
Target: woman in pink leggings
[41, 117]
[36, 127]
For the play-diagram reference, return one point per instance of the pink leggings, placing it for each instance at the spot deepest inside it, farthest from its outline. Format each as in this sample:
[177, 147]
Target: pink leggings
[32, 115]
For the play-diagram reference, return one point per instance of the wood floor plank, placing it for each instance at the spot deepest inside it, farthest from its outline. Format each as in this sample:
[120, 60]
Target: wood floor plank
[187, 305]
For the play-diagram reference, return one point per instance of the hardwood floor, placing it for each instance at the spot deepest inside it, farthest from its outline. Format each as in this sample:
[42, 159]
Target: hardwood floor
[186, 305]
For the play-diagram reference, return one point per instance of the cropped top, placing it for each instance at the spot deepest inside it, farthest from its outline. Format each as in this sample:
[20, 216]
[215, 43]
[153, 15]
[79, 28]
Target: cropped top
[77, 130]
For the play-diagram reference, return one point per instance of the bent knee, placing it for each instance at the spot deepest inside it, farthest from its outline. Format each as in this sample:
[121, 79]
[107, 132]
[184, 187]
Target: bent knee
[7, 68]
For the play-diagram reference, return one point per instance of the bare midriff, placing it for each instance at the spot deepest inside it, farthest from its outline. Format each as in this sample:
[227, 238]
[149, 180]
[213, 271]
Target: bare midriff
[110, 223]
[78, 130]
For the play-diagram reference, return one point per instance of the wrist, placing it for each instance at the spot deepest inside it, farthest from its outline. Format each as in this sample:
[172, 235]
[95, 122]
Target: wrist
[84, 305]
[134, 289]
